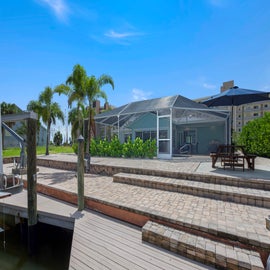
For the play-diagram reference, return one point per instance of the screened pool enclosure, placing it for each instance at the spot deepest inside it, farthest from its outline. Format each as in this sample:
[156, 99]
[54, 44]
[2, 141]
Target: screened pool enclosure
[179, 125]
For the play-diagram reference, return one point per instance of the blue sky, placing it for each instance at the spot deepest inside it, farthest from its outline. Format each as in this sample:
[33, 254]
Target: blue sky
[151, 48]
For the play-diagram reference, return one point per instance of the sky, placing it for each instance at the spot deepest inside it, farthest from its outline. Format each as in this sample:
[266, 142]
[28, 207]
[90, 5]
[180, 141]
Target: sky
[151, 48]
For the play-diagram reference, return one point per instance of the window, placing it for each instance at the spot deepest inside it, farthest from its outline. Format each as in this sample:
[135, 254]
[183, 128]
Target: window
[163, 134]
[255, 114]
[190, 136]
[146, 135]
[256, 107]
[164, 147]
[153, 135]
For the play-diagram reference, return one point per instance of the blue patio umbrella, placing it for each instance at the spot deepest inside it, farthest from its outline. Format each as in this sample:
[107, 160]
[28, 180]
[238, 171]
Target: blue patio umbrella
[236, 96]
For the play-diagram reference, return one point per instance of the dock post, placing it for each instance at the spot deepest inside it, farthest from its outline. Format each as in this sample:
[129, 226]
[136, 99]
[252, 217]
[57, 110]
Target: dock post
[80, 173]
[1, 150]
[31, 185]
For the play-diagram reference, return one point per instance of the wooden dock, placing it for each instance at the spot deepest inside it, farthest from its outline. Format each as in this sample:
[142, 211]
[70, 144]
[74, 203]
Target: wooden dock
[50, 211]
[101, 242]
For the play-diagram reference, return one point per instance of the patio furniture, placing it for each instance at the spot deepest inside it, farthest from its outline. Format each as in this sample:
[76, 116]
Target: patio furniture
[232, 160]
[232, 156]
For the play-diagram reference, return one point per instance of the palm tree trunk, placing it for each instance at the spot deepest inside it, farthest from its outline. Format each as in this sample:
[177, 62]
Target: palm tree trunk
[88, 141]
[88, 133]
[48, 138]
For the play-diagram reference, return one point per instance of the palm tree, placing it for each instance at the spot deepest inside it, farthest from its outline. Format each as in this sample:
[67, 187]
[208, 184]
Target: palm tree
[94, 92]
[75, 90]
[77, 82]
[84, 90]
[75, 118]
[47, 110]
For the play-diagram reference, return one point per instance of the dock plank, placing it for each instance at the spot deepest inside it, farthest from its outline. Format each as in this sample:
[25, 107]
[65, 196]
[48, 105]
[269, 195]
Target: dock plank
[131, 247]
[124, 248]
[101, 242]
[115, 231]
[118, 245]
[107, 257]
[49, 210]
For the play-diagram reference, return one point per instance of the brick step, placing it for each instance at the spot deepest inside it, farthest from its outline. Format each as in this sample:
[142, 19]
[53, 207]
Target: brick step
[248, 196]
[110, 170]
[206, 251]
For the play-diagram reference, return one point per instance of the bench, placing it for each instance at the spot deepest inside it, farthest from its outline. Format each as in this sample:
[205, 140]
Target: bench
[232, 161]
[232, 156]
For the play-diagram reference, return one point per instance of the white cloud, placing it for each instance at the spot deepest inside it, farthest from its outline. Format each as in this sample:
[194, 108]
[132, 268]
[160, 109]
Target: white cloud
[123, 38]
[138, 94]
[209, 86]
[59, 8]
[117, 35]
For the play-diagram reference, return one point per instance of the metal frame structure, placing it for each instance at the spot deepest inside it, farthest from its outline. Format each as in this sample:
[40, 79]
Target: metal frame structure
[177, 110]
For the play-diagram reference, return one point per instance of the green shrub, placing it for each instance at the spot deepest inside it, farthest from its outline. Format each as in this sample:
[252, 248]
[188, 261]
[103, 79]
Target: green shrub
[255, 136]
[138, 148]
[75, 148]
[58, 138]
[150, 148]
[103, 147]
[93, 147]
[115, 148]
[129, 149]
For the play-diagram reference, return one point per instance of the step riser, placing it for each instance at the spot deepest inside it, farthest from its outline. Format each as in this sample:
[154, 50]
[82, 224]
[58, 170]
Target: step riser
[111, 170]
[212, 194]
[200, 249]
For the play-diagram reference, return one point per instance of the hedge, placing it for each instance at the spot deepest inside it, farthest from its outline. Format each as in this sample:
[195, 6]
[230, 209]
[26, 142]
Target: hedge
[129, 149]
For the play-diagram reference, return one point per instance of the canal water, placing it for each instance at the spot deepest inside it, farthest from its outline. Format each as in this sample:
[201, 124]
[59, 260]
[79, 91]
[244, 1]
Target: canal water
[52, 252]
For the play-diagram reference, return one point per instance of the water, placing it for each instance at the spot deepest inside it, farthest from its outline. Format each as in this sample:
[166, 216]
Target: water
[53, 251]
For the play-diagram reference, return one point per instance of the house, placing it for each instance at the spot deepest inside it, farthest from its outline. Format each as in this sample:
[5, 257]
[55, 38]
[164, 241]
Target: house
[178, 124]
[10, 141]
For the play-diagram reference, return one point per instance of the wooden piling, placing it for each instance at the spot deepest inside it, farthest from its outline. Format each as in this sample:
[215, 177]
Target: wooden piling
[31, 185]
[80, 173]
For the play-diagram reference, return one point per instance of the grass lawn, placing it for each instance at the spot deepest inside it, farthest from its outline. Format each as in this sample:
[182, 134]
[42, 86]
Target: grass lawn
[15, 152]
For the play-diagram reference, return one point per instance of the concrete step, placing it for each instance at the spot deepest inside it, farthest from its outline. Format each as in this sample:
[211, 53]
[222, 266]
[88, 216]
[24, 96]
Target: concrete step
[204, 250]
[248, 196]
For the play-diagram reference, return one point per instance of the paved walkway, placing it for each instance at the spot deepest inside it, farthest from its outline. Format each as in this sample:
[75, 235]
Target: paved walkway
[189, 164]
[242, 220]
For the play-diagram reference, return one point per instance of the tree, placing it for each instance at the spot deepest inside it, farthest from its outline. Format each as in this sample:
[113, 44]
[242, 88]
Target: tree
[47, 110]
[93, 92]
[58, 138]
[84, 90]
[9, 108]
[255, 136]
[75, 90]
[75, 118]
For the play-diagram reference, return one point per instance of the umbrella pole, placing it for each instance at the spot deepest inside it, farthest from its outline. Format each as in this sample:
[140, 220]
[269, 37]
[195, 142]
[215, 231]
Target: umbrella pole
[232, 129]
